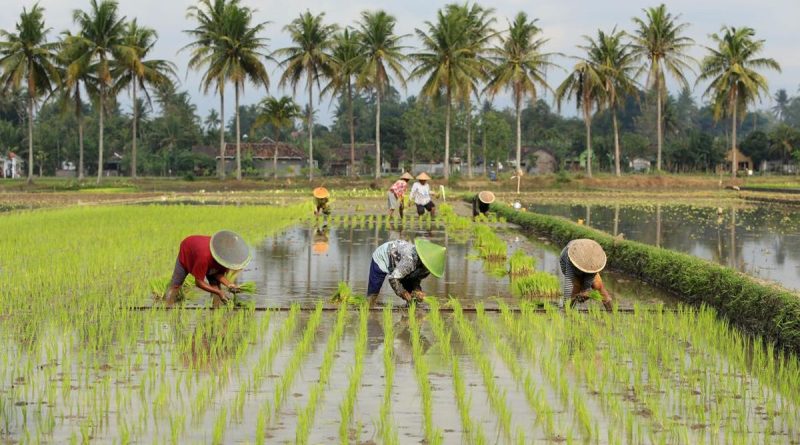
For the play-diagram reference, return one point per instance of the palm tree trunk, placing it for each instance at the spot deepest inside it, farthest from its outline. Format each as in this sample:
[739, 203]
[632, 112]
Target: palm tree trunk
[80, 146]
[30, 139]
[352, 129]
[469, 139]
[517, 107]
[734, 163]
[588, 121]
[310, 129]
[659, 135]
[447, 136]
[221, 164]
[616, 142]
[238, 133]
[133, 141]
[378, 133]
[485, 160]
[102, 128]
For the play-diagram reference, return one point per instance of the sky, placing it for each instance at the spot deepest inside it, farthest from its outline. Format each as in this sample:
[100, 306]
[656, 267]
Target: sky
[563, 23]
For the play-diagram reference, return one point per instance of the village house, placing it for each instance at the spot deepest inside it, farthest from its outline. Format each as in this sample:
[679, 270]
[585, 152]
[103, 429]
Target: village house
[265, 155]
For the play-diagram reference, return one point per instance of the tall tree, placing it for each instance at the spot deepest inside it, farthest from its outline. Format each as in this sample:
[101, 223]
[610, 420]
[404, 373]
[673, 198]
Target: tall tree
[77, 76]
[448, 63]
[28, 59]
[585, 85]
[100, 39]
[132, 69]
[309, 57]
[615, 64]
[732, 68]
[781, 107]
[521, 67]
[345, 59]
[659, 43]
[279, 114]
[381, 57]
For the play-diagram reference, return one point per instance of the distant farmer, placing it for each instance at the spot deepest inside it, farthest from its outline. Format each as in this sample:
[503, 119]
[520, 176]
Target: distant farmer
[581, 262]
[396, 193]
[208, 259]
[421, 195]
[321, 205]
[407, 265]
[481, 202]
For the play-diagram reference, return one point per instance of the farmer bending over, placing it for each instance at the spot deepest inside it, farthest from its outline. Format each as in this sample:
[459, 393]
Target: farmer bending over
[208, 259]
[421, 194]
[581, 262]
[407, 265]
[321, 205]
[396, 193]
[481, 202]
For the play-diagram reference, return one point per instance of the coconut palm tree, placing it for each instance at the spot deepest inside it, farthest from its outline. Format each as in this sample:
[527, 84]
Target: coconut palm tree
[100, 40]
[615, 62]
[132, 69]
[309, 57]
[345, 59]
[205, 49]
[661, 47]
[381, 57]
[585, 85]
[279, 114]
[448, 63]
[76, 77]
[732, 68]
[28, 59]
[521, 67]
[781, 108]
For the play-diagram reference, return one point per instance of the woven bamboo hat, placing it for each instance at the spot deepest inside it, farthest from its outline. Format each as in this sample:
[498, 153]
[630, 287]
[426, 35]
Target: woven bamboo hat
[230, 250]
[486, 197]
[423, 177]
[587, 255]
[321, 193]
[407, 176]
[432, 256]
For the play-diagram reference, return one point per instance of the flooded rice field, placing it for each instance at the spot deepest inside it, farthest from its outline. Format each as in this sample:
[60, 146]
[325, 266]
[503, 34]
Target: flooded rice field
[759, 240]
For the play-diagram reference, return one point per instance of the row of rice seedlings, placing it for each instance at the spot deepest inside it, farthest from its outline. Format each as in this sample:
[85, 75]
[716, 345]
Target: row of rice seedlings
[497, 396]
[433, 435]
[539, 286]
[490, 246]
[520, 264]
[305, 419]
[386, 428]
[472, 429]
[347, 406]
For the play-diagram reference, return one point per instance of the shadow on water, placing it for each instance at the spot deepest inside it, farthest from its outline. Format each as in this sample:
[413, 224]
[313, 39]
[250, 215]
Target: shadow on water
[762, 241]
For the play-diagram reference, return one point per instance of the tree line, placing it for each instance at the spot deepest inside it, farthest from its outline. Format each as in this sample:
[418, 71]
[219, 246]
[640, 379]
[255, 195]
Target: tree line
[464, 59]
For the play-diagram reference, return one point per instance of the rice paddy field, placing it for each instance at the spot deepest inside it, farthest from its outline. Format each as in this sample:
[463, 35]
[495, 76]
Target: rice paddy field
[88, 355]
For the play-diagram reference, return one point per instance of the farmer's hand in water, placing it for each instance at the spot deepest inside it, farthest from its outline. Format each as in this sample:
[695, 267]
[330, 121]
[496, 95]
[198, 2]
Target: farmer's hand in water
[234, 288]
[418, 295]
[222, 296]
[406, 296]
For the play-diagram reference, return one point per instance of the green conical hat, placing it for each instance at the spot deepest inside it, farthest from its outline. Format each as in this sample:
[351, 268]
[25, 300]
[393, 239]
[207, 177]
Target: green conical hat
[230, 250]
[432, 256]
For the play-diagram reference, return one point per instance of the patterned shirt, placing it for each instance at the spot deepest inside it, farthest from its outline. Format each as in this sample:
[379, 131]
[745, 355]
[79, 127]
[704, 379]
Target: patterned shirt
[421, 194]
[400, 260]
[572, 273]
[399, 188]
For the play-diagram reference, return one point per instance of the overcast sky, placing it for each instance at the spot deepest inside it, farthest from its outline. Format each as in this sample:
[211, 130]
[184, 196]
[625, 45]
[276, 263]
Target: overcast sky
[563, 22]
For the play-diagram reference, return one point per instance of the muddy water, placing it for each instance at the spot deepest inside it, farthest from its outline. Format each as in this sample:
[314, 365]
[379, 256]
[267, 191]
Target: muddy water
[762, 241]
[304, 264]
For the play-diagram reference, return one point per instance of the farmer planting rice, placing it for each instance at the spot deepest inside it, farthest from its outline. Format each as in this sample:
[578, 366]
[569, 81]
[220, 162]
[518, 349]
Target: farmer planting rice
[481, 202]
[208, 259]
[421, 195]
[396, 193]
[581, 262]
[321, 206]
[406, 264]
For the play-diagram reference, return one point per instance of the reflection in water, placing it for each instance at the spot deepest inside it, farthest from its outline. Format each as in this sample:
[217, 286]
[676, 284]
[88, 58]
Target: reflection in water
[763, 241]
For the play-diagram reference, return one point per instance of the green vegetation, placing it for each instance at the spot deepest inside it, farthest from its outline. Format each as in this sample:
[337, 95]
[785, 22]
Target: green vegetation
[520, 264]
[536, 286]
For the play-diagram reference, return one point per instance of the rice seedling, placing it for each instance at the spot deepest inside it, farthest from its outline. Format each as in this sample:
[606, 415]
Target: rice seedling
[520, 264]
[345, 295]
[536, 286]
[432, 434]
[386, 428]
[356, 371]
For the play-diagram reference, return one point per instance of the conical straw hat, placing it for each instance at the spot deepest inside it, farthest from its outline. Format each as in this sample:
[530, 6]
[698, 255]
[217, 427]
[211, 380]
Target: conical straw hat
[423, 177]
[486, 197]
[407, 176]
[587, 255]
[230, 250]
[321, 193]
[432, 256]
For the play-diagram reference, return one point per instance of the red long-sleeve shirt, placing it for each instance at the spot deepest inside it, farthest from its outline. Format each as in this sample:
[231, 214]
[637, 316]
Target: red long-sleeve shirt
[195, 256]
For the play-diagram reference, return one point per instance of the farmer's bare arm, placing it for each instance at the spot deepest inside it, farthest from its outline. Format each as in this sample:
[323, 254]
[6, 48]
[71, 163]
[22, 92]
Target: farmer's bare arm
[227, 283]
[211, 289]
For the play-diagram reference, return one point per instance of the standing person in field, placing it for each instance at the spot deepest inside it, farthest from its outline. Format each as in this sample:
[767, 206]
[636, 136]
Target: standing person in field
[321, 197]
[208, 259]
[581, 262]
[421, 195]
[396, 194]
[406, 264]
[481, 202]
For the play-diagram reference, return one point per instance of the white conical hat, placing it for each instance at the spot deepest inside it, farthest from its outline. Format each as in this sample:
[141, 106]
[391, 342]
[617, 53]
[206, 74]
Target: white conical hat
[587, 255]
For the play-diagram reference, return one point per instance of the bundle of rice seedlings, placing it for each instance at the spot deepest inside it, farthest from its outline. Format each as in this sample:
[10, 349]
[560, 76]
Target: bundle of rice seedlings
[538, 285]
[345, 295]
[520, 264]
[248, 287]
